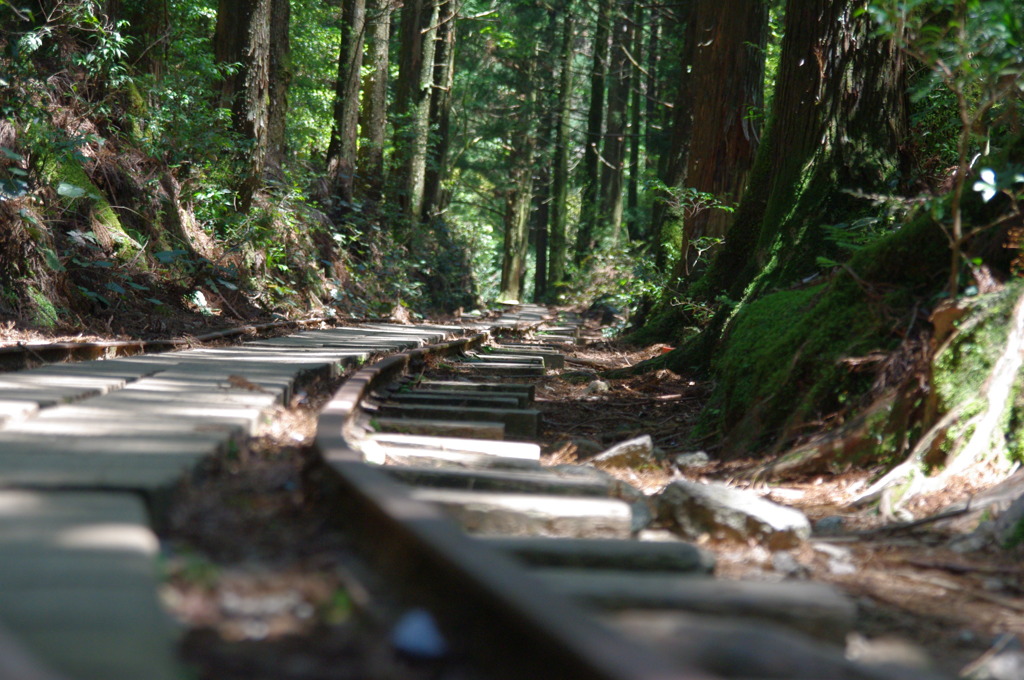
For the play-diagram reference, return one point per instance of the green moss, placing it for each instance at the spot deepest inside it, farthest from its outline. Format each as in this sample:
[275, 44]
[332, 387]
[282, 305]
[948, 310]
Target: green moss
[778, 361]
[1016, 536]
[1014, 426]
[44, 313]
[68, 176]
[963, 365]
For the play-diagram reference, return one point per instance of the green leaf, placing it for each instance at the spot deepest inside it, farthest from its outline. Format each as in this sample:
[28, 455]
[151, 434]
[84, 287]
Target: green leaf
[52, 260]
[169, 256]
[16, 157]
[116, 287]
[137, 286]
[70, 190]
[155, 301]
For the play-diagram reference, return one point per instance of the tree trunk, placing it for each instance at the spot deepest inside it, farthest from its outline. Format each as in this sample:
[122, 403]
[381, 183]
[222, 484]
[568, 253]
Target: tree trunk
[636, 136]
[591, 197]
[373, 117]
[242, 37]
[434, 197]
[412, 102]
[672, 165]
[280, 80]
[839, 100]
[560, 170]
[517, 215]
[341, 152]
[613, 169]
[728, 70]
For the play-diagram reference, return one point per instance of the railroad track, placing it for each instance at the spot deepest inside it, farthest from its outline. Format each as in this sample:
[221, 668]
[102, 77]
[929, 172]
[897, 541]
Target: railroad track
[428, 457]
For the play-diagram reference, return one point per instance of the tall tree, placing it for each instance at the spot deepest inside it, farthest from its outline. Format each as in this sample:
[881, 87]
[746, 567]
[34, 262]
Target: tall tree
[560, 167]
[838, 120]
[434, 198]
[728, 68]
[635, 126]
[591, 196]
[620, 71]
[280, 80]
[341, 152]
[412, 101]
[373, 115]
[672, 163]
[242, 37]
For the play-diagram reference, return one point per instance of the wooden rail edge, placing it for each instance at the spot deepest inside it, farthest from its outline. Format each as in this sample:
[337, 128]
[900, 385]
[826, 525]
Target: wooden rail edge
[510, 623]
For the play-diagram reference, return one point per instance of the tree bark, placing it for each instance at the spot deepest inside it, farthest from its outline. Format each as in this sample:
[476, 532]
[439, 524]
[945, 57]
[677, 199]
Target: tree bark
[341, 152]
[373, 116]
[280, 80]
[435, 199]
[672, 165]
[635, 128]
[242, 37]
[620, 73]
[591, 196]
[560, 170]
[412, 102]
[839, 100]
[728, 70]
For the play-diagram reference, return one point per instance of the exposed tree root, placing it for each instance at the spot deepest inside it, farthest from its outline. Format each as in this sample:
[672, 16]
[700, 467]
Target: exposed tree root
[985, 440]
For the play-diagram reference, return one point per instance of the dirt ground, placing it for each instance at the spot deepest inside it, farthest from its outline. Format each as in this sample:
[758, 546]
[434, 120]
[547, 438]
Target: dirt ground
[919, 600]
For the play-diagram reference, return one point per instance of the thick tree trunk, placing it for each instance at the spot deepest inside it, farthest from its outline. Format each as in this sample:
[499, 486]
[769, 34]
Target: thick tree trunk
[591, 197]
[341, 152]
[412, 102]
[560, 170]
[373, 117]
[620, 72]
[435, 200]
[242, 37]
[728, 70]
[839, 99]
[280, 80]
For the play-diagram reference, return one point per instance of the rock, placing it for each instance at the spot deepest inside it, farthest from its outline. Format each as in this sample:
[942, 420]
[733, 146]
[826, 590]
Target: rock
[726, 512]
[604, 310]
[693, 459]
[630, 453]
[586, 447]
[597, 387]
[887, 651]
[784, 563]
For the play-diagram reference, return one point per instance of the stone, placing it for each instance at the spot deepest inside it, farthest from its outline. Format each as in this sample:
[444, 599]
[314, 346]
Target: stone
[586, 447]
[631, 453]
[721, 511]
[693, 459]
